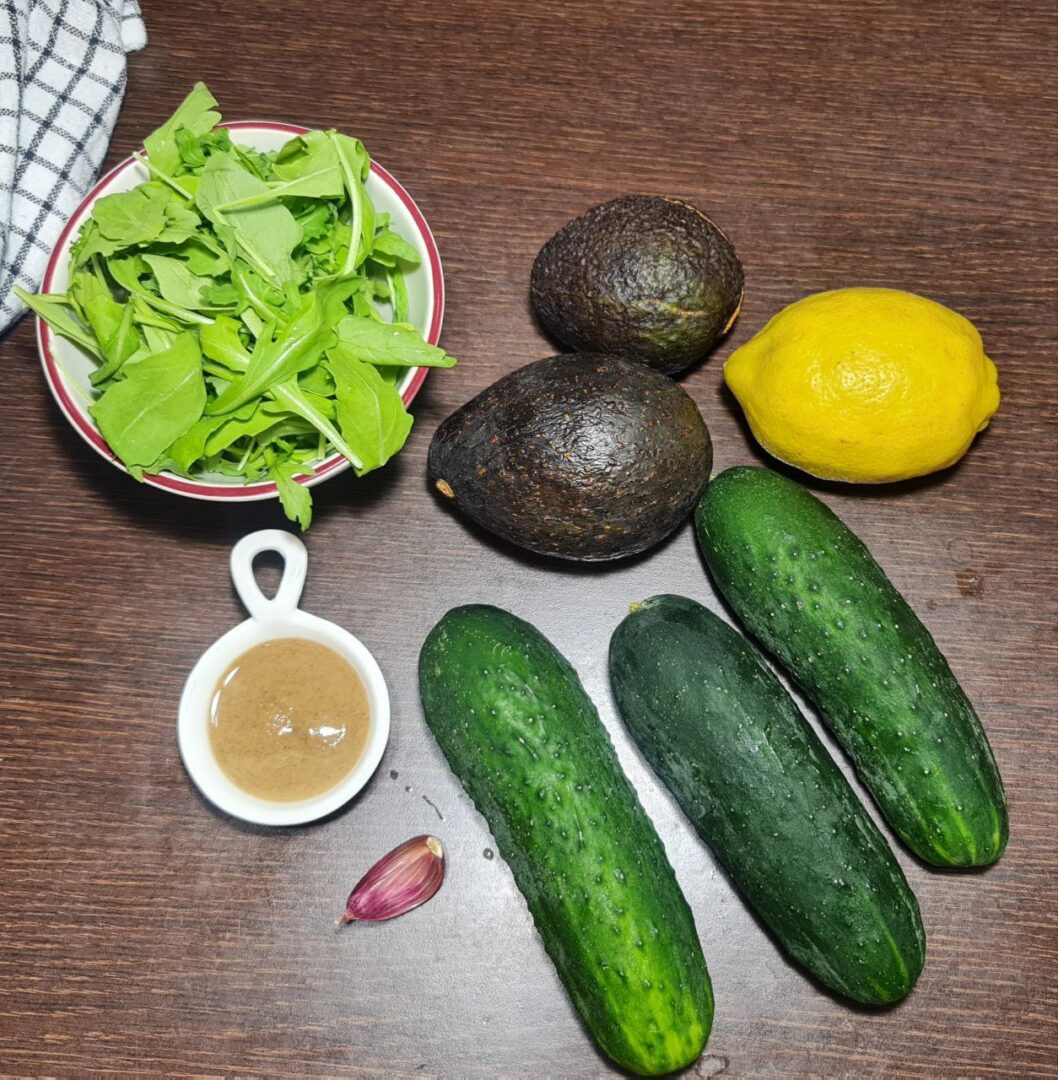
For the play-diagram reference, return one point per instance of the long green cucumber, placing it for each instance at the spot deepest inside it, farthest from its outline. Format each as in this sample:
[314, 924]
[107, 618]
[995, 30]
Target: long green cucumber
[810, 591]
[519, 731]
[749, 772]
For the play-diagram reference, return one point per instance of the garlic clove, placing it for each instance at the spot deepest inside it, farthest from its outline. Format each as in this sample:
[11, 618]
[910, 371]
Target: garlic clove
[405, 878]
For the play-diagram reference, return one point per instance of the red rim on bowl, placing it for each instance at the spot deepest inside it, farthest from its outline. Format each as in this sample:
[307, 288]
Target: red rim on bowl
[205, 489]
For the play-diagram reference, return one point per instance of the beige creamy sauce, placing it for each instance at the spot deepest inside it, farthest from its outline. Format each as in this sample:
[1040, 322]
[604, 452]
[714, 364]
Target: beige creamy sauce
[289, 720]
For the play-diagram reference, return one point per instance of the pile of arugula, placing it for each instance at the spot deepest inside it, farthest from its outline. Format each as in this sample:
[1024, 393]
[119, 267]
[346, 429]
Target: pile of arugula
[247, 311]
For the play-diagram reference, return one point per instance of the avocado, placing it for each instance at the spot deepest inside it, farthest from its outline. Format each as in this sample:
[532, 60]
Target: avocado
[580, 456]
[643, 276]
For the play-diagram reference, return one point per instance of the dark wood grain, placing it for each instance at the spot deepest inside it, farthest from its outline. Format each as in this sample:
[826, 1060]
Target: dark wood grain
[905, 144]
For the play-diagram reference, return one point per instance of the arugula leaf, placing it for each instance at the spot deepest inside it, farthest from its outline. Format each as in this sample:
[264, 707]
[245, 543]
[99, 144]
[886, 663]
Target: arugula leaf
[306, 167]
[266, 234]
[390, 243]
[304, 154]
[377, 342]
[103, 314]
[190, 447]
[216, 141]
[86, 285]
[120, 343]
[132, 217]
[251, 419]
[398, 291]
[313, 409]
[293, 349]
[158, 338]
[196, 114]
[354, 163]
[221, 342]
[145, 316]
[55, 310]
[367, 211]
[262, 297]
[127, 273]
[90, 241]
[181, 223]
[201, 257]
[290, 431]
[177, 284]
[253, 161]
[295, 498]
[253, 322]
[160, 397]
[371, 415]
[317, 380]
[316, 221]
[192, 153]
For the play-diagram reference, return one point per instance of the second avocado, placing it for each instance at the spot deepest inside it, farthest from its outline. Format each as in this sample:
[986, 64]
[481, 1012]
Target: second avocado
[643, 276]
[578, 456]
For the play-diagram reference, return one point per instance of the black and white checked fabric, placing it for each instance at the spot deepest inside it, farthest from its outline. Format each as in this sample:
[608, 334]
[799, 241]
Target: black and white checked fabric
[62, 77]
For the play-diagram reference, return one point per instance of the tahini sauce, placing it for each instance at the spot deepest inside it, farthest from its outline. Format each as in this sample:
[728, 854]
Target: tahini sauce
[289, 720]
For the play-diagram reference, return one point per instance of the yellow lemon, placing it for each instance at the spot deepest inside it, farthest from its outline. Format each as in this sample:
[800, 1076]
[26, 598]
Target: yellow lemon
[865, 385]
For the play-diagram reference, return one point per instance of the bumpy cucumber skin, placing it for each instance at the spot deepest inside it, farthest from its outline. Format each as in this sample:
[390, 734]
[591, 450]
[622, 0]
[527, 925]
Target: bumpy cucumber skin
[749, 772]
[525, 740]
[811, 592]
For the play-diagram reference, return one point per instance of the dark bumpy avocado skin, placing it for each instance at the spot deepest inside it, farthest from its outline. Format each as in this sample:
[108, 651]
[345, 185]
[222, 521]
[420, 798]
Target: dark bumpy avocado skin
[642, 276]
[580, 456]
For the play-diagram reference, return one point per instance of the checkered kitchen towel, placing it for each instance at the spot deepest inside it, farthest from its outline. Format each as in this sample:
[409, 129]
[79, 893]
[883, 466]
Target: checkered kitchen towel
[62, 77]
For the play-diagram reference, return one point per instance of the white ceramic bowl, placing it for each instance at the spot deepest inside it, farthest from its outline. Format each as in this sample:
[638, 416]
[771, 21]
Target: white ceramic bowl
[67, 369]
[279, 617]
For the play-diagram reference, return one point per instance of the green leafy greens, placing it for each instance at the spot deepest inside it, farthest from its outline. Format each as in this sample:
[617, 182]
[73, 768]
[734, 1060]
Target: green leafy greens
[247, 311]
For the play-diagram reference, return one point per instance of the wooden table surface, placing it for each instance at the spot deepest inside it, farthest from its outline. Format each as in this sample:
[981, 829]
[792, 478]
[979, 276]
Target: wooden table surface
[902, 144]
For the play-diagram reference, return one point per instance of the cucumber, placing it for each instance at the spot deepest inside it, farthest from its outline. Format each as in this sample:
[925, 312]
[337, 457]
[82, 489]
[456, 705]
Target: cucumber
[526, 742]
[749, 772]
[810, 591]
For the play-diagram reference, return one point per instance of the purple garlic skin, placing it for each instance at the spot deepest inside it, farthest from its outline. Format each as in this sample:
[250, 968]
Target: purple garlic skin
[405, 878]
